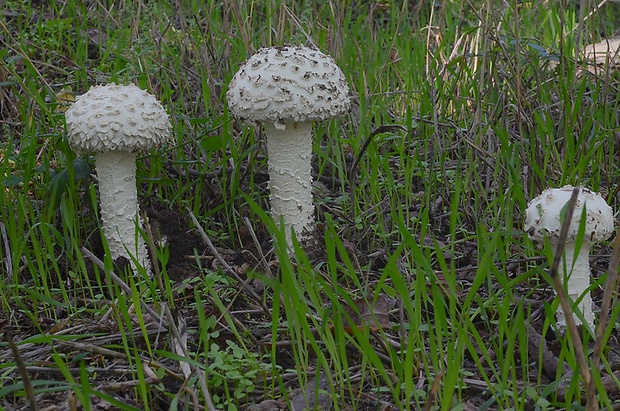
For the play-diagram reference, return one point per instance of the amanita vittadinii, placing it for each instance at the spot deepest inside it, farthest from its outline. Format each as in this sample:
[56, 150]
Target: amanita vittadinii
[115, 122]
[287, 88]
[543, 219]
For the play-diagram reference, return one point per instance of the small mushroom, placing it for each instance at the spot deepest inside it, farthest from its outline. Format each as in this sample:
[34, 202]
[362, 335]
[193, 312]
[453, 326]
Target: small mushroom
[115, 122]
[543, 219]
[286, 88]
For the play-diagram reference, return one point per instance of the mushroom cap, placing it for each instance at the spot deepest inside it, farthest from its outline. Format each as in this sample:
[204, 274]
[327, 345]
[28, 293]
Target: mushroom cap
[543, 215]
[116, 118]
[288, 84]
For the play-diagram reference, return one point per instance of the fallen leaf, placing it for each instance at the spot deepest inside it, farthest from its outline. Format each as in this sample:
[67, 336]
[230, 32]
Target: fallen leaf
[368, 313]
[64, 99]
[313, 397]
[72, 401]
[267, 405]
[180, 347]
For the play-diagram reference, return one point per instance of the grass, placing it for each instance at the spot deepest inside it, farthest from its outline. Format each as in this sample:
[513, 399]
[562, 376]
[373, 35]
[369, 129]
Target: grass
[424, 291]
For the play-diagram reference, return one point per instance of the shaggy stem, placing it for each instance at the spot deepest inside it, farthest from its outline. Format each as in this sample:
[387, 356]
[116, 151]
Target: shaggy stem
[289, 149]
[116, 172]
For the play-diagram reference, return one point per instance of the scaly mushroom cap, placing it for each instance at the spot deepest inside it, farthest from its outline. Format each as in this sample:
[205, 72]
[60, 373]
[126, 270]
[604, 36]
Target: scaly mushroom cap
[543, 215]
[116, 118]
[288, 84]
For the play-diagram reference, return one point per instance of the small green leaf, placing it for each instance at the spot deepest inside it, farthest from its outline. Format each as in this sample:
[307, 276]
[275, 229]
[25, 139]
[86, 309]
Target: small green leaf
[60, 181]
[212, 143]
[12, 181]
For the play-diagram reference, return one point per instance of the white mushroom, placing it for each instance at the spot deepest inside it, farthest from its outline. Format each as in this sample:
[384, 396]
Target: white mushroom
[115, 122]
[543, 219]
[286, 89]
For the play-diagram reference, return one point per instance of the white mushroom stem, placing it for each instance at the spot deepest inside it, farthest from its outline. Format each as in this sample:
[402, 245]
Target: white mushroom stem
[116, 172]
[577, 279]
[289, 148]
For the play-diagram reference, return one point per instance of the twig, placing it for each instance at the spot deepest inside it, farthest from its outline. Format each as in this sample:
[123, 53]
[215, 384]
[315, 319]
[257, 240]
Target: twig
[124, 286]
[180, 347]
[116, 370]
[263, 259]
[298, 26]
[379, 130]
[212, 248]
[106, 352]
[88, 347]
[201, 374]
[582, 362]
[125, 385]
[224, 264]
[32, 351]
[8, 261]
[153, 251]
[432, 395]
[244, 284]
[610, 286]
[23, 371]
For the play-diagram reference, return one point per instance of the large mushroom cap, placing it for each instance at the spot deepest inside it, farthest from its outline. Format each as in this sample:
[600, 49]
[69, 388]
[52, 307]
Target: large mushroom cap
[116, 118]
[544, 213]
[288, 84]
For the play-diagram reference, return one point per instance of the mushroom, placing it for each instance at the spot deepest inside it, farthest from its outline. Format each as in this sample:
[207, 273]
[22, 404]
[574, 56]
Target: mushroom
[286, 88]
[543, 219]
[115, 122]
